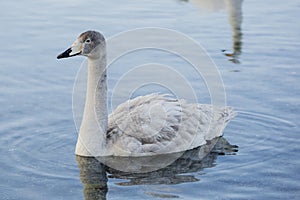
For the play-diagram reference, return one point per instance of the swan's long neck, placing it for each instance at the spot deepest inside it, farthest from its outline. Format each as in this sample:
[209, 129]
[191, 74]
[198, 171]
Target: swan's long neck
[92, 134]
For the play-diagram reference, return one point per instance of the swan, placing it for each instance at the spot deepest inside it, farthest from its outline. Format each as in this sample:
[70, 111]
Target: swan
[146, 125]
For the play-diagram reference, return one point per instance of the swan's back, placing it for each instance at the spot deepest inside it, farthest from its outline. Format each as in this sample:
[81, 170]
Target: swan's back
[158, 124]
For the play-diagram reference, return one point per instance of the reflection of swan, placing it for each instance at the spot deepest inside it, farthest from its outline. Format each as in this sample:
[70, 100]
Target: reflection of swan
[147, 125]
[207, 6]
[93, 172]
[234, 10]
[93, 177]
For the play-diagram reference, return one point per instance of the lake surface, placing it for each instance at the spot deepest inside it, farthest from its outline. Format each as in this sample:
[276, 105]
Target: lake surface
[254, 44]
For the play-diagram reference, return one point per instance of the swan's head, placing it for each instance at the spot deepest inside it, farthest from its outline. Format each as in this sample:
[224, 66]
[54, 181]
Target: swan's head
[90, 44]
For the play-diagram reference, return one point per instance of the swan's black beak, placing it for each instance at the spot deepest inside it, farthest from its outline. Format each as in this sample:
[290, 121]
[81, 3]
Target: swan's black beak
[68, 53]
[74, 50]
[65, 54]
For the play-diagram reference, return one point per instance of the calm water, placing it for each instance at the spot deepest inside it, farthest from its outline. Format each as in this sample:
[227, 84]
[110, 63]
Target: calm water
[260, 73]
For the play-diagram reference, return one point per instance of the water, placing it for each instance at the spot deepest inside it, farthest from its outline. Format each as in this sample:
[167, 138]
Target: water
[260, 74]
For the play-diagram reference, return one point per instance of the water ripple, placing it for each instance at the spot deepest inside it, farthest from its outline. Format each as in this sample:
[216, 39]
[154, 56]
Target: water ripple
[41, 153]
[260, 138]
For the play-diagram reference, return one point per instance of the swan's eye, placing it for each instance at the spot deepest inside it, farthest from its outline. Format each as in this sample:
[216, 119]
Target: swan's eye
[88, 41]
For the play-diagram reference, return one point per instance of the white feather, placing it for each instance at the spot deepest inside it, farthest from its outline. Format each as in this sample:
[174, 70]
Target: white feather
[158, 124]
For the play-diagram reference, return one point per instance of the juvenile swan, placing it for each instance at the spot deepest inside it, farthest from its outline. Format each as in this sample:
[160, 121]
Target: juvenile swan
[147, 125]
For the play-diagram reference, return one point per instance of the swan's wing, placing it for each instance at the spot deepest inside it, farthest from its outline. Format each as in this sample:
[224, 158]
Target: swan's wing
[158, 124]
[144, 124]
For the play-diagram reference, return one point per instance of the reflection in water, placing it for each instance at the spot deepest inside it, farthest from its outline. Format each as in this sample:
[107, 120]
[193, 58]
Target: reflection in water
[234, 10]
[94, 178]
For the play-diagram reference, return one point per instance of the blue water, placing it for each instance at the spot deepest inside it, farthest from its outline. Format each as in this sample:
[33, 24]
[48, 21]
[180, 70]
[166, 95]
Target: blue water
[260, 75]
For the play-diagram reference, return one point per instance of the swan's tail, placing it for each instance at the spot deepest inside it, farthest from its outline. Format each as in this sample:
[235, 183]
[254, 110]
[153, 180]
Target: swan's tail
[220, 118]
[228, 114]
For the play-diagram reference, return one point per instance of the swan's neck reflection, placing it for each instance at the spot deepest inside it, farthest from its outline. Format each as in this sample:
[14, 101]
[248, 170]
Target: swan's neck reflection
[235, 16]
[94, 178]
[234, 9]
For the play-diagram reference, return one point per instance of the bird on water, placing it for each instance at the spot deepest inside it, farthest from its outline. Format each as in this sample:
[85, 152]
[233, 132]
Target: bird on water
[146, 125]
